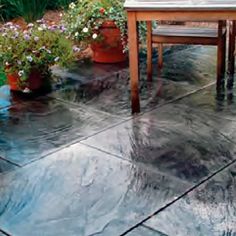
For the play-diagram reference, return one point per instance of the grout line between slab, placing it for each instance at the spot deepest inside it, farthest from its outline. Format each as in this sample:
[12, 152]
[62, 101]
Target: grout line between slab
[104, 151]
[79, 140]
[141, 164]
[88, 108]
[10, 162]
[179, 198]
[4, 232]
[153, 230]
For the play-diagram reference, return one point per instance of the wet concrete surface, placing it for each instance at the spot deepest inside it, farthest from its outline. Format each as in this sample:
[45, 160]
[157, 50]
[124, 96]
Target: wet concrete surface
[142, 230]
[76, 162]
[172, 139]
[208, 210]
[33, 129]
[82, 191]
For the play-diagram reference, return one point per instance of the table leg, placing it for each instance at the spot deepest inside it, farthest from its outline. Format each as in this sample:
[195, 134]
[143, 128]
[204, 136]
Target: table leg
[231, 56]
[149, 50]
[134, 61]
[220, 56]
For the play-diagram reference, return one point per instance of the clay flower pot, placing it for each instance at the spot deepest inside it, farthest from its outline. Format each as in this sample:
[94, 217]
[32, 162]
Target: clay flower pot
[110, 49]
[33, 83]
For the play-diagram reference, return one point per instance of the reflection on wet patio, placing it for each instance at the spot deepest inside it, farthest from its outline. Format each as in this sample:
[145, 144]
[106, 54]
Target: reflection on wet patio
[76, 162]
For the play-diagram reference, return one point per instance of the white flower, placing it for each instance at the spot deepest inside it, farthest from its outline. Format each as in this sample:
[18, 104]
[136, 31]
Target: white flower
[19, 62]
[43, 26]
[61, 15]
[36, 38]
[40, 21]
[30, 25]
[40, 29]
[29, 58]
[7, 64]
[42, 48]
[72, 5]
[76, 34]
[20, 73]
[85, 30]
[26, 90]
[94, 36]
[57, 59]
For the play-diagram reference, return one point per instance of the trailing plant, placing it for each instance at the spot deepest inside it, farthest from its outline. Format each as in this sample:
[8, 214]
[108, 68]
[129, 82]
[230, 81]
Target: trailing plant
[38, 47]
[85, 17]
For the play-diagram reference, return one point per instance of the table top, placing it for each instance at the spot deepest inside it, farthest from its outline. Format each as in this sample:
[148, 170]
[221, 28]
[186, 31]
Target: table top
[180, 5]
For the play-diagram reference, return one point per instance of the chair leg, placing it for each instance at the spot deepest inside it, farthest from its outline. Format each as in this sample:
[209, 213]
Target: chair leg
[149, 50]
[160, 55]
[220, 53]
[224, 55]
[231, 56]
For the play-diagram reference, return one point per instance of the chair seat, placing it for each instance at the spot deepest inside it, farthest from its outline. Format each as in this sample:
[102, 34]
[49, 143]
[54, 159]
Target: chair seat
[185, 31]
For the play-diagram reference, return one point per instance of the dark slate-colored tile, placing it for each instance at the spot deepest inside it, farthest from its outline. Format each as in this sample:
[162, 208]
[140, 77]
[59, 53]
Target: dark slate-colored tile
[84, 71]
[144, 231]
[35, 128]
[81, 191]
[195, 65]
[221, 103]
[208, 210]
[6, 166]
[174, 139]
[112, 94]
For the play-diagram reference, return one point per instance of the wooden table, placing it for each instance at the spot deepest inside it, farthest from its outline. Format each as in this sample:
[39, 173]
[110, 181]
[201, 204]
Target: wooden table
[170, 10]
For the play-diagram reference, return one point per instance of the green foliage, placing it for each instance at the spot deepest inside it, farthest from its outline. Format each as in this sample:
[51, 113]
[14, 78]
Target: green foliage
[3, 77]
[30, 10]
[39, 47]
[7, 10]
[57, 4]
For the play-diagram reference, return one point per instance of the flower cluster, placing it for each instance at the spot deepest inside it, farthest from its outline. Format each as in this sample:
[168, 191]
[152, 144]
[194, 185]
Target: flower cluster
[85, 17]
[38, 46]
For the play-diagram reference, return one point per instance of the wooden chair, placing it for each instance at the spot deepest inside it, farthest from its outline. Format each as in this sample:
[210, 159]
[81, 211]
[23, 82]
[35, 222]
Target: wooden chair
[231, 54]
[172, 34]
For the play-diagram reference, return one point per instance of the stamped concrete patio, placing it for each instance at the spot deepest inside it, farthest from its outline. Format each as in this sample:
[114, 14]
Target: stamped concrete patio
[77, 163]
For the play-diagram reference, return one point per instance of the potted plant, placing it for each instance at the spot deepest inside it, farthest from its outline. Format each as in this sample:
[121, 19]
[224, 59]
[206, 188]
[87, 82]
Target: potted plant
[28, 54]
[102, 24]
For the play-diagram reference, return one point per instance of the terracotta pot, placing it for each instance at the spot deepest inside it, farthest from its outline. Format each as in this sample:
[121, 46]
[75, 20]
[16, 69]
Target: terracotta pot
[110, 49]
[34, 82]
